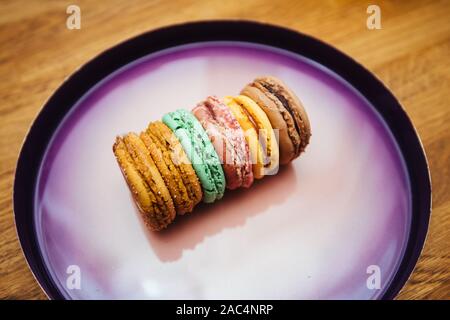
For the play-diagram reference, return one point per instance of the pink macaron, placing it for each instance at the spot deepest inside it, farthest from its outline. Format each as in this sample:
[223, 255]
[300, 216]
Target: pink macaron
[228, 140]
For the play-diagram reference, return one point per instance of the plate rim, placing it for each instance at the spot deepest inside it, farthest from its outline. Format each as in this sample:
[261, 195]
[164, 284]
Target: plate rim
[112, 59]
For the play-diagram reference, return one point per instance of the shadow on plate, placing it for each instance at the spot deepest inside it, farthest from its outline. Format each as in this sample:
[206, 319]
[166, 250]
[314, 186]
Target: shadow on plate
[189, 230]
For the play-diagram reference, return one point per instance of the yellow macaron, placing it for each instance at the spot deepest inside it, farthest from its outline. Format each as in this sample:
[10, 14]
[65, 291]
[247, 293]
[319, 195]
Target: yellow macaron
[259, 133]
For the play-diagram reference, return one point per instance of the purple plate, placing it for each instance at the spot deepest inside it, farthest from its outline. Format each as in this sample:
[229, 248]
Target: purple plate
[345, 221]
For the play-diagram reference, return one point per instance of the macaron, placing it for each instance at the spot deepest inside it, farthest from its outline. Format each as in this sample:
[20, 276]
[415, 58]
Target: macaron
[227, 137]
[285, 112]
[260, 136]
[184, 197]
[200, 152]
[251, 135]
[145, 182]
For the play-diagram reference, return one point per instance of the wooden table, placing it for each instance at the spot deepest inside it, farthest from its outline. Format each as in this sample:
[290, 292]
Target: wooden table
[411, 54]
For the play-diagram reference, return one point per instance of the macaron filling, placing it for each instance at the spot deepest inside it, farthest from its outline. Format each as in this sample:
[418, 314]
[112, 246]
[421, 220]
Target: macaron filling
[178, 164]
[199, 150]
[258, 129]
[228, 139]
[283, 101]
[168, 172]
[151, 194]
[249, 128]
[283, 95]
[265, 133]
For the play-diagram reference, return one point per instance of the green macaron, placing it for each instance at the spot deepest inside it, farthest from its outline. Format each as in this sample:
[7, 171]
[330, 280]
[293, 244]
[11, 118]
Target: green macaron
[200, 152]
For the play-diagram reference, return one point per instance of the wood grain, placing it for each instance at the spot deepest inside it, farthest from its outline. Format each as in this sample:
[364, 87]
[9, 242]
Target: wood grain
[410, 54]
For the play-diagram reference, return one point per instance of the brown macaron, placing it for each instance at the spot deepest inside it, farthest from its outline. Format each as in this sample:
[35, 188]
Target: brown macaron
[285, 112]
[184, 183]
[145, 182]
[171, 178]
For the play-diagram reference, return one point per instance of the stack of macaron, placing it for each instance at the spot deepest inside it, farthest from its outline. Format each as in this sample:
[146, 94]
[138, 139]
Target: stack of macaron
[193, 156]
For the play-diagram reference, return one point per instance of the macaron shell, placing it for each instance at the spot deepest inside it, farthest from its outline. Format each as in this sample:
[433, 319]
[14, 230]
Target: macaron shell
[277, 119]
[216, 136]
[182, 166]
[285, 113]
[141, 192]
[163, 208]
[300, 115]
[235, 137]
[210, 157]
[250, 134]
[174, 122]
[276, 91]
[266, 133]
[168, 172]
[228, 139]
[200, 151]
